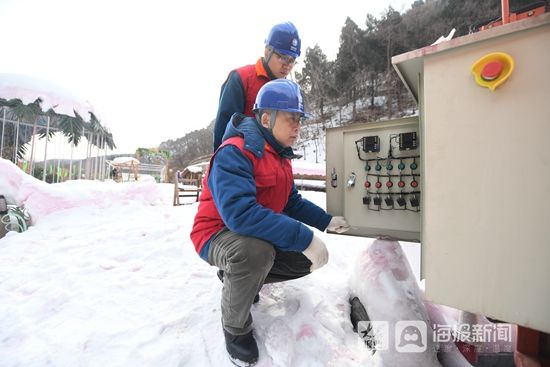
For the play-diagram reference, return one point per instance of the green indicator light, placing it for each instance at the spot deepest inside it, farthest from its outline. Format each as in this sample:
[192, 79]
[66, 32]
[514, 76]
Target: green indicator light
[378, 167]
[401, 166]
[389, 166]
[414, 166]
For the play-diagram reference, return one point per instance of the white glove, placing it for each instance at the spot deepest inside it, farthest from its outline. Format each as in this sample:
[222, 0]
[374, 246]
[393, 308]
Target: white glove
[338, 225]
[316, 253]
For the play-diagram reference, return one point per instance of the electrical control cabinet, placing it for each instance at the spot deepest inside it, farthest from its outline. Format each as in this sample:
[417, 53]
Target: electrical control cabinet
[374, 178]
[480, 205]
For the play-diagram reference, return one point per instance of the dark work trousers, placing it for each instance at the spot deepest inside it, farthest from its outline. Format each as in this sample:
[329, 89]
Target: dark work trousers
[248, 263]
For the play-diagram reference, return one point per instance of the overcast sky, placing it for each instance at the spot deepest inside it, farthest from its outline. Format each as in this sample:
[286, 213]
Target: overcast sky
[160, 62]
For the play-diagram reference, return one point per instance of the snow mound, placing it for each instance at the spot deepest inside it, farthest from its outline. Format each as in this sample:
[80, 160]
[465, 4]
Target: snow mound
[41, 198]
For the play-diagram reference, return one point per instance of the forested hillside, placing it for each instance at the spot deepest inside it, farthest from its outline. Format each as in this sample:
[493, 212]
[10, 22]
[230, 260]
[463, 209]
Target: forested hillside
[360, 84]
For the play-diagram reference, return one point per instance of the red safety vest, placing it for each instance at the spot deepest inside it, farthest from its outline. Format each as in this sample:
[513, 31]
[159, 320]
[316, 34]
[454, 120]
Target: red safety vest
[273, 176]
[253, 78]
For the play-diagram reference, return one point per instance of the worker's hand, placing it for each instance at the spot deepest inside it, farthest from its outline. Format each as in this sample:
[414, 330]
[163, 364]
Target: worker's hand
[338, 225]
[316, 253]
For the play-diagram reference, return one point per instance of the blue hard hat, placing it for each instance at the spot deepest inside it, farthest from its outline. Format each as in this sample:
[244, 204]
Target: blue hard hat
[284, 39]
[280, 95]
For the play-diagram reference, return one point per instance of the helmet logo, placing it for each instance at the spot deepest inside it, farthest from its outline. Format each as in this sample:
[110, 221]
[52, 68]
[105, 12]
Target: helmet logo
[294, 45]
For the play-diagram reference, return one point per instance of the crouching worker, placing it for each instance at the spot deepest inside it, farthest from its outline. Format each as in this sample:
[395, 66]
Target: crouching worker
[250, 220]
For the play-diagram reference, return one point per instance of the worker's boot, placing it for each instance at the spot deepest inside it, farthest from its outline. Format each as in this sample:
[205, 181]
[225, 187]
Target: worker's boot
[242, 349]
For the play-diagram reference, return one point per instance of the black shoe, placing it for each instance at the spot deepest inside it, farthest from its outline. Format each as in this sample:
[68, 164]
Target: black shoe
[220, 277]
[358, 312]
[242, 349]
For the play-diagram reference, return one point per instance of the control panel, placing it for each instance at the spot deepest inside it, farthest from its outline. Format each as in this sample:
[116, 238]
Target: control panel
[374, 178]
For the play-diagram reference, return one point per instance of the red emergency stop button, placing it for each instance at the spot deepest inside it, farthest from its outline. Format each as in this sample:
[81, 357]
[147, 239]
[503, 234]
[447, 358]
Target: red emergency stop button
[492, 70]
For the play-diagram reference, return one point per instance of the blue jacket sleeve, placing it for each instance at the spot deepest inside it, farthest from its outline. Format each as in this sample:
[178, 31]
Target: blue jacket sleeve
[305, 211]
[233, 189]
[232, 99]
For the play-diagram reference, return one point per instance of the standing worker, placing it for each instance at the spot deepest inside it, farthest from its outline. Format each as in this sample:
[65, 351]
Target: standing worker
[251, 222]
[239, 91]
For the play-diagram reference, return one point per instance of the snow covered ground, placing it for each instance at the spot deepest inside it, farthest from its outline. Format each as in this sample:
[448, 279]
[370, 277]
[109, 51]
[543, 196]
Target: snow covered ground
[110, 278]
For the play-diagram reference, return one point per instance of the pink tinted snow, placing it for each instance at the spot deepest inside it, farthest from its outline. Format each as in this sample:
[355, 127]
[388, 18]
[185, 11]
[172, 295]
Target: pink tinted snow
[385, 284]
[40, 198]
[308, 168]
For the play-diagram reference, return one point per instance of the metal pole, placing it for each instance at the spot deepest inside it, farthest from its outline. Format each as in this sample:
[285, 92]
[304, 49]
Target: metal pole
[96, 171]
[71, 162]
[87, 168]
[33, 151]
[3, 131]
[46, 149]
[80, 164]
[102, 161]
[56, 173]
[16, 142]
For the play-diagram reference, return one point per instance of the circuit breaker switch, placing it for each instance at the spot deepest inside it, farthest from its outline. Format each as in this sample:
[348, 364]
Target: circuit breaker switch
[377, 200]
[366, 200]
[401, 201]
[388, 200]
[408, 141]
[415, 203]
[371, 143]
